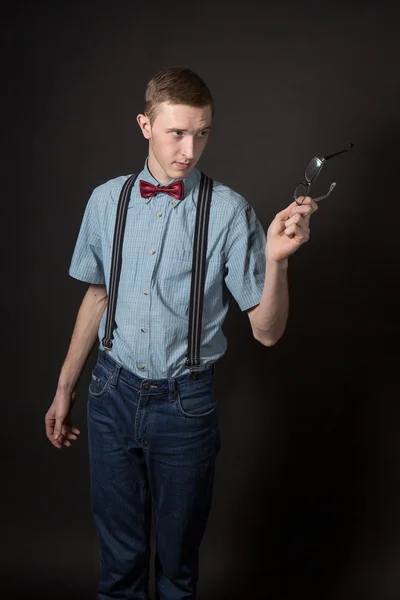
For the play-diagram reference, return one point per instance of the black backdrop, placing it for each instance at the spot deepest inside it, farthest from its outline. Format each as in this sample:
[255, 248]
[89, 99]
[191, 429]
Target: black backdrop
[306, 497]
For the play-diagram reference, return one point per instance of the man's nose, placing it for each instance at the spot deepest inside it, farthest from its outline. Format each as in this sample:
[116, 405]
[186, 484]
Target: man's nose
[188, 147]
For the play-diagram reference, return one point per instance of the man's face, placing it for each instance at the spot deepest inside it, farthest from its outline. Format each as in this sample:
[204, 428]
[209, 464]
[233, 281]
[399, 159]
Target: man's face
[177, 138]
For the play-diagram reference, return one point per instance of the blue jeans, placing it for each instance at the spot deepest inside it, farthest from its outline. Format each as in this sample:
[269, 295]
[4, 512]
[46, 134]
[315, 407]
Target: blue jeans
[152, 443]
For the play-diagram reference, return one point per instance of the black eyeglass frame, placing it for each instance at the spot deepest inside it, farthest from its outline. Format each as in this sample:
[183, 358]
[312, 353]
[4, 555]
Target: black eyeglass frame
[310, 180]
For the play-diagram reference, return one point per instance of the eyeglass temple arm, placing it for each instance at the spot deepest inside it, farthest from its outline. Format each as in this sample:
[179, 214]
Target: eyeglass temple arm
[332, 187]
[341, 152]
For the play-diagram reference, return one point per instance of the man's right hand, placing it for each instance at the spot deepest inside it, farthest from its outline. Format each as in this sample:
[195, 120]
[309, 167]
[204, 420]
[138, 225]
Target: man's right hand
[59, 428]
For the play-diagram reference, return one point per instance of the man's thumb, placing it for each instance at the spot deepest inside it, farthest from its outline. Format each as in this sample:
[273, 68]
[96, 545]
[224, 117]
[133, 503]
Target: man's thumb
[58, 427]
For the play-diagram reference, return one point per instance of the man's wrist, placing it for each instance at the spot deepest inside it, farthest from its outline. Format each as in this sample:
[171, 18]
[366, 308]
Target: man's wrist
[272, 262]
[65, 388]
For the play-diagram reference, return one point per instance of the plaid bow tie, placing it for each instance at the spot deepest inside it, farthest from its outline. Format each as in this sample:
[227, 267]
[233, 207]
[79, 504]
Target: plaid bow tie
[175, 189]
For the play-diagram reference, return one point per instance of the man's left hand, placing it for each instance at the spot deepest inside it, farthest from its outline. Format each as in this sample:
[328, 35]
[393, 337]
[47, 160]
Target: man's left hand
[290, 229]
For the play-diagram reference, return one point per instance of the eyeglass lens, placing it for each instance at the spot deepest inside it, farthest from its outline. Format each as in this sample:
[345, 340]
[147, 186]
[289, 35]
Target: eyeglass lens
[312, 169]
[301, 190]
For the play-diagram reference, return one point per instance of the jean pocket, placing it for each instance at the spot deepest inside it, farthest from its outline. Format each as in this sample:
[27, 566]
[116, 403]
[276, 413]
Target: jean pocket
[100, 382]
[196, 401]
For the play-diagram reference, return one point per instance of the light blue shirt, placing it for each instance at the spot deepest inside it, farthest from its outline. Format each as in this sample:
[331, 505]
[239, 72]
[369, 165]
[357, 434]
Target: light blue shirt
[151, 332]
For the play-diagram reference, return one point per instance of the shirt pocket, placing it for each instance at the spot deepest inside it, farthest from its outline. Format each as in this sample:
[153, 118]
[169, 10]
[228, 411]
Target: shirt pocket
[174, 282]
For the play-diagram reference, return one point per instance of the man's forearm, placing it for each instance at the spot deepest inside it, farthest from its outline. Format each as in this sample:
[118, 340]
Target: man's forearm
[83, 337]
[269, 318]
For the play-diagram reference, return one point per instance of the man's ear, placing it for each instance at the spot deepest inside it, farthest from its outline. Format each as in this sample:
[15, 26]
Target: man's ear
[144, 124]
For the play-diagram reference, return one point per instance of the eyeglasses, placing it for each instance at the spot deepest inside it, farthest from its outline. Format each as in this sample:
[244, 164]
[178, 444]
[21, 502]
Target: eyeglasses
[311, 172]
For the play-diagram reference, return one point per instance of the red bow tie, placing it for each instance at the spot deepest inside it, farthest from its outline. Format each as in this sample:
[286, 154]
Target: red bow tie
[175, 189]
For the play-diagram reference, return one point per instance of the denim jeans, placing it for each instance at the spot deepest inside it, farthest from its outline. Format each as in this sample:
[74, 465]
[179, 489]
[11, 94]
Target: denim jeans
[152, 445]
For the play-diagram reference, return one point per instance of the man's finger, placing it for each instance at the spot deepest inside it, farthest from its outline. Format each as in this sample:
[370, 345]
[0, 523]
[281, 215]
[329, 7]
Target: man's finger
[307, 201]
[49, 428]
[296, 218]
[58, 428]
[283, 214]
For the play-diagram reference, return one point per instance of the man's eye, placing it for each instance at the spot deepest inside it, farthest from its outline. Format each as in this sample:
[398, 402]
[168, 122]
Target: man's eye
[177, 133]
[202, 133]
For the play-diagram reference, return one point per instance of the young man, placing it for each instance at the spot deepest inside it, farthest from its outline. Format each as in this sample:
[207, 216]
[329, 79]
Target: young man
[153, 429]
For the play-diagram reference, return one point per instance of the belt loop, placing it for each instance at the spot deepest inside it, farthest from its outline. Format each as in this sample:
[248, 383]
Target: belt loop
[115, 376]
[172, 387]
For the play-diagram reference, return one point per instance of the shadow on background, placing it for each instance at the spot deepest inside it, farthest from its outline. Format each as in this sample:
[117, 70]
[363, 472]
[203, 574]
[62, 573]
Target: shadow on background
[319, 517]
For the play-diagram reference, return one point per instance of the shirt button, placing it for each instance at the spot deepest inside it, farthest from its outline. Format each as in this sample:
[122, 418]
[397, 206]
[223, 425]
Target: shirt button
[152, 251]
[143, 329]
[173, 203]
[146, 292]
[142, 367]
[159, 214]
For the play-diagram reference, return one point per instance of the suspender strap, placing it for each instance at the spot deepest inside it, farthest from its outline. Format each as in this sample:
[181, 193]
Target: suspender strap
[198, 273]
[116, 260]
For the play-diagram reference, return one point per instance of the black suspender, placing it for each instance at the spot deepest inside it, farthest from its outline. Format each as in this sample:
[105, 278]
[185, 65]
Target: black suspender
[116, 260]
[198, 268]
[198, 272]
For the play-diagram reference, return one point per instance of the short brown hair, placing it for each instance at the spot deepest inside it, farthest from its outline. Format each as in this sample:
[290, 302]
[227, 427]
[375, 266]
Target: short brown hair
[178, 85]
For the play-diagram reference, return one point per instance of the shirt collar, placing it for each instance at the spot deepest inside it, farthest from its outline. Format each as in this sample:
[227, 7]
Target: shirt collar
[189, 182]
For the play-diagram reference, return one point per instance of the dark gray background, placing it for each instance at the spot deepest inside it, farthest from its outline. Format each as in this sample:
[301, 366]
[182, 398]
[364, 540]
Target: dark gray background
[307, 492]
